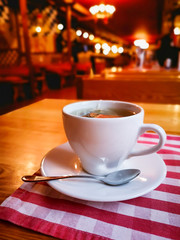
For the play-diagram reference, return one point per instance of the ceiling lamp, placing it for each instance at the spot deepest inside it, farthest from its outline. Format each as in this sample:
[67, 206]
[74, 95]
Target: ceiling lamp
[102, 11]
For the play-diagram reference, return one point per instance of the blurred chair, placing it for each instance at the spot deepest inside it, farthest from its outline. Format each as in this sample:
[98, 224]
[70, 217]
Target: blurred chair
[6, 93]
[83, 68]
[100, 65]
[59, 75]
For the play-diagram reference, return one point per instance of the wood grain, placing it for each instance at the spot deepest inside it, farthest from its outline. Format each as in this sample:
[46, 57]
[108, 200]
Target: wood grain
[150, 86]
[27, 134]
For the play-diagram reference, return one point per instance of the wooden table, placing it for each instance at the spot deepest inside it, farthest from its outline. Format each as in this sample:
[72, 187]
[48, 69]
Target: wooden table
[27, 134]
[128, 85]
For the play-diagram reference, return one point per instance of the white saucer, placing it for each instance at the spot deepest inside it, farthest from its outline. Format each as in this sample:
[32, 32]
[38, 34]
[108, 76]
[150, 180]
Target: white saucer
[62, 160]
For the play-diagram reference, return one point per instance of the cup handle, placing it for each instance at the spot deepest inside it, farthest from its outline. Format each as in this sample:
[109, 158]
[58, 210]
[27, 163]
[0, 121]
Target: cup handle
[162, 138]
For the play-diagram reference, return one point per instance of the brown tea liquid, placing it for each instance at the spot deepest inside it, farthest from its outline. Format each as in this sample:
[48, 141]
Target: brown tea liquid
[108, 114]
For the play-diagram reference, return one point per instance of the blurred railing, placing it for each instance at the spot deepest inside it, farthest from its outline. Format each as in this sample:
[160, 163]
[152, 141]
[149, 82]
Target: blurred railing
[9, 57]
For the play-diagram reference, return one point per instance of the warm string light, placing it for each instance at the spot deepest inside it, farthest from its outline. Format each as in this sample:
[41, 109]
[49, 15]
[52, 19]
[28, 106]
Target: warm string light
[91, 37]
[60, 26]
[120, 50]
[39, 29]
[78, 33]
[106, 49]
[85, 35]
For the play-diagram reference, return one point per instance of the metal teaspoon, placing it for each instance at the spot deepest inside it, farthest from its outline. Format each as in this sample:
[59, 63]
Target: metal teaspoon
[115, 178]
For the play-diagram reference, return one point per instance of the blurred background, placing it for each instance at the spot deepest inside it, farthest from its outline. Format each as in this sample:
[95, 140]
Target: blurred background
[79, 49]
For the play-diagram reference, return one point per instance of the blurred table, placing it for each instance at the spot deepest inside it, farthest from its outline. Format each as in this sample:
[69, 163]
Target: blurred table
[27, 134]
[160, 86]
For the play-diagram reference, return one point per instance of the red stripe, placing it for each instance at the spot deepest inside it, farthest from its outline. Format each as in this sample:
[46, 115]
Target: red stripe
[49, 228]
[150, 135]
[167, 151]
[146, 142]
[172, 207]
[168, 188]
[172, 162]
[175, 175]
[166, 145]
[169, 137]
[135, 223]
[162, 151]
[155, 204]
[176, 138]
[172, 145]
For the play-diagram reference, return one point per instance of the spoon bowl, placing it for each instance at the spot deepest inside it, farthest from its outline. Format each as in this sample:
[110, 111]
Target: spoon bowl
[114, 179]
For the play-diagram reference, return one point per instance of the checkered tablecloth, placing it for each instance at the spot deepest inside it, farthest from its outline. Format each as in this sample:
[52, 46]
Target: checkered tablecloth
[154, 216]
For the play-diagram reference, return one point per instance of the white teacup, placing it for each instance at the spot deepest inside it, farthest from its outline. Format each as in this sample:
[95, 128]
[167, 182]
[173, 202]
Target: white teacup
[102, 144]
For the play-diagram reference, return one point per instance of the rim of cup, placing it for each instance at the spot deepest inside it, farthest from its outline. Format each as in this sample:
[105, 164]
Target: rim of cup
[71, 108]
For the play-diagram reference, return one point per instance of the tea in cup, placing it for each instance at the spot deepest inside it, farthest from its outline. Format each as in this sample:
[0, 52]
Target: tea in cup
[103, 133]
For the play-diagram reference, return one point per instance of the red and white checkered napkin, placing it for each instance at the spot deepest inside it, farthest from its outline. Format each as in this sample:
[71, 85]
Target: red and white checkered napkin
[154, 216]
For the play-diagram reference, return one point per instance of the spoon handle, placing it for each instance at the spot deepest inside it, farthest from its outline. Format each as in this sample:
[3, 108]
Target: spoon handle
[29, 178]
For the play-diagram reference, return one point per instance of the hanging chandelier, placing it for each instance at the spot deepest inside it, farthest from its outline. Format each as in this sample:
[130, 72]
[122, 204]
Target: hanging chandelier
[102, 11]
